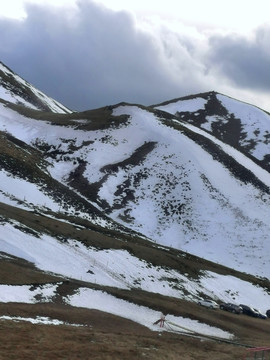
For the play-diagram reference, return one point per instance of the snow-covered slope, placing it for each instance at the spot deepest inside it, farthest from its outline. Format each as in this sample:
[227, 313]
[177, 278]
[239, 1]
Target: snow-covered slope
[118, 268]
[172, 182]
[183, 197]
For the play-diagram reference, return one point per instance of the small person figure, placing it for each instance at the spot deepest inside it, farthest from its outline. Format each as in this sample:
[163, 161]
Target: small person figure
[160, 321]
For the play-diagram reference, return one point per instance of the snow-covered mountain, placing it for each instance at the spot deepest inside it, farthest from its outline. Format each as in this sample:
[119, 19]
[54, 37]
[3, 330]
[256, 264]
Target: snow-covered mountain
[241, 125]
[171, 198]
[16, 90]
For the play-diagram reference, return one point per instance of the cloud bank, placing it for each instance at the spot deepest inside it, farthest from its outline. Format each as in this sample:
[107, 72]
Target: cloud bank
[95, 56]
[245, 61]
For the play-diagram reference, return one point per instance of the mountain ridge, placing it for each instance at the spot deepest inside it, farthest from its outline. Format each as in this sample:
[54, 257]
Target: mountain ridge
[225, 124]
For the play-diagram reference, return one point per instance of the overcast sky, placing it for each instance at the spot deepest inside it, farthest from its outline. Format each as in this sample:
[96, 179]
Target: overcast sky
[87, 54]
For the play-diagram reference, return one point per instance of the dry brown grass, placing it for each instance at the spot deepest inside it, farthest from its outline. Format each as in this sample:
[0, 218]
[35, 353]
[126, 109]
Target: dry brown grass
[104, 336]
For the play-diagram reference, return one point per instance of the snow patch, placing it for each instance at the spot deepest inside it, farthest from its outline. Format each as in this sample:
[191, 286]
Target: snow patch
[99, 300]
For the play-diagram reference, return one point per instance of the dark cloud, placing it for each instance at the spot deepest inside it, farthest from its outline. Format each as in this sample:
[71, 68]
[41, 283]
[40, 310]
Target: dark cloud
[94, 57]
[245, 61]
[89, 58]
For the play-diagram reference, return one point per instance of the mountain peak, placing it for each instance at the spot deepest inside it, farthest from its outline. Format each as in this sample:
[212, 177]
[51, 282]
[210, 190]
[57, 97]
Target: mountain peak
[16, 90]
